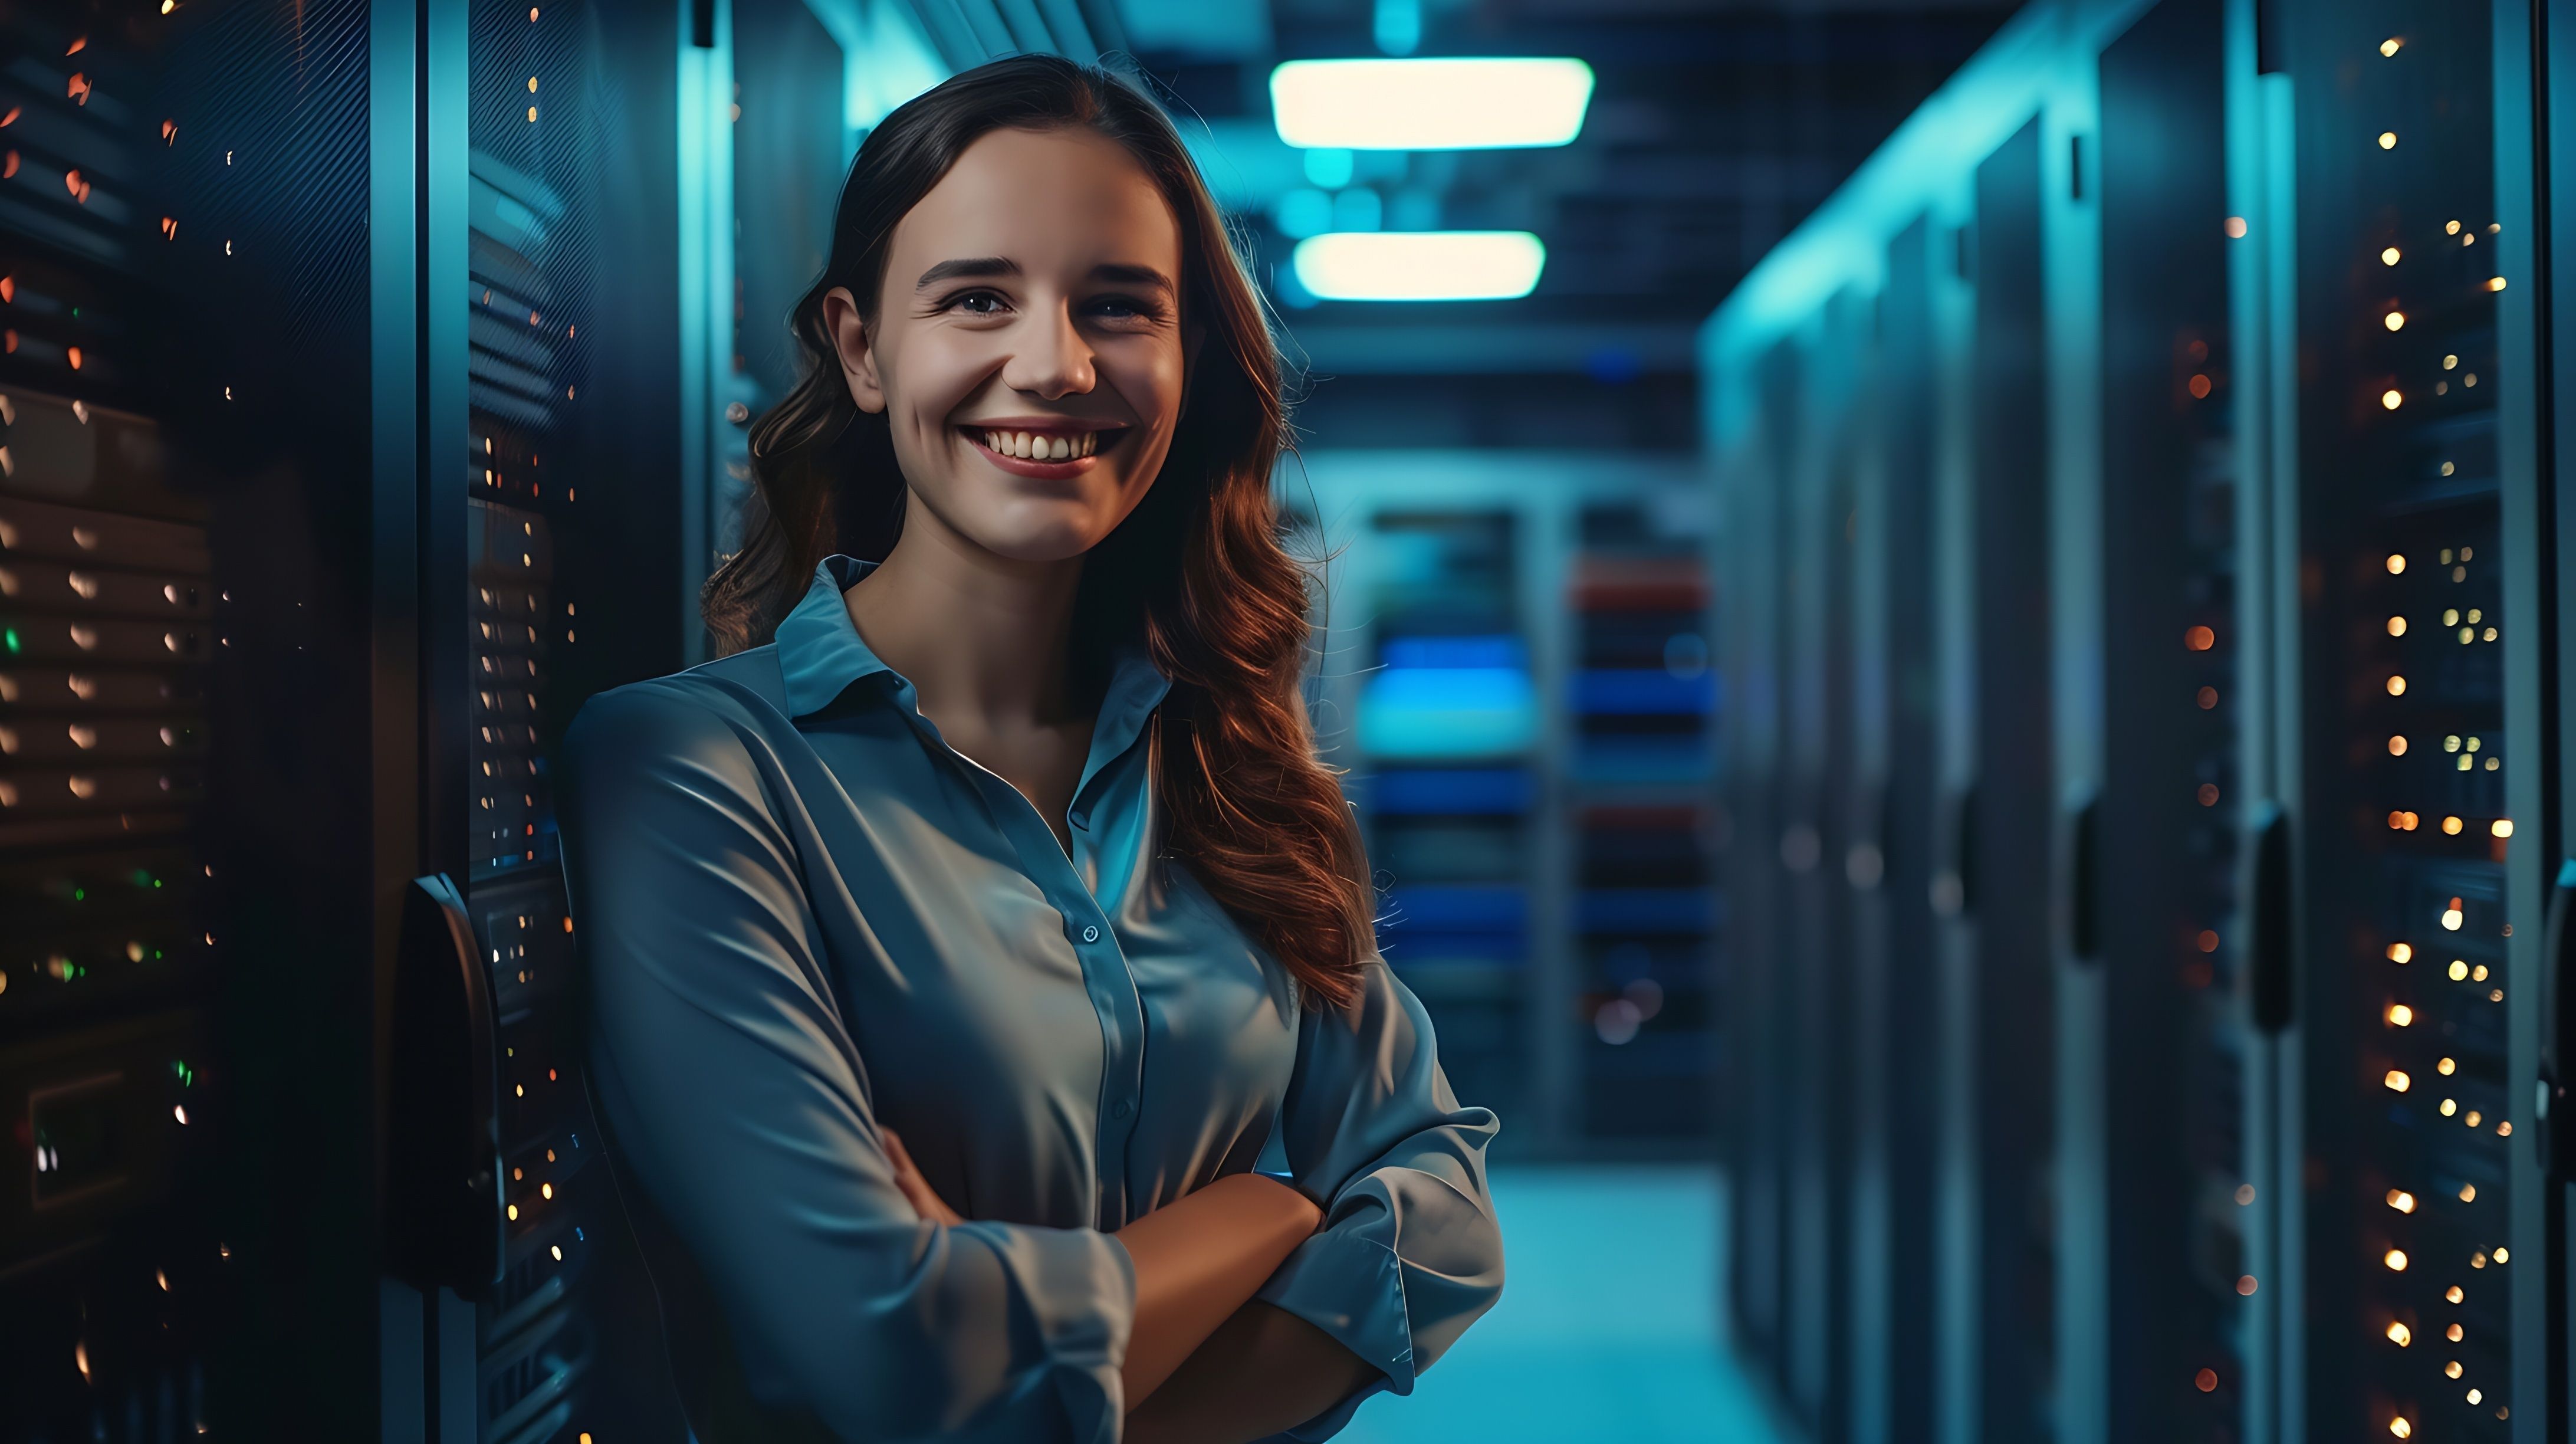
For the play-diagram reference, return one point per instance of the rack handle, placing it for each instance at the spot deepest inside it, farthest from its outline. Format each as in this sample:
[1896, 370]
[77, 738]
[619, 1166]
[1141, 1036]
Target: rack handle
[2270, 902]
[2083, 877]
[445, 1225]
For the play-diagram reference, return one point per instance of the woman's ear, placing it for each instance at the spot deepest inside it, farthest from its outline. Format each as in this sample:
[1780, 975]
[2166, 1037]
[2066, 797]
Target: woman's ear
[849, 332]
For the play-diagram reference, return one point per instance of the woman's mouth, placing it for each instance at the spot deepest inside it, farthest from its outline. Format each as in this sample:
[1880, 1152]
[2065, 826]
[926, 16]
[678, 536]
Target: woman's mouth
[1052, 453]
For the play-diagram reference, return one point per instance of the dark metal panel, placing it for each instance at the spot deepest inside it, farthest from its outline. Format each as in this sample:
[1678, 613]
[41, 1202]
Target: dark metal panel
[2014, 808]
[2164, 888]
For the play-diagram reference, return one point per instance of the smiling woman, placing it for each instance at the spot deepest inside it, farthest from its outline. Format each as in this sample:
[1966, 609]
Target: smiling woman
[985, 1011]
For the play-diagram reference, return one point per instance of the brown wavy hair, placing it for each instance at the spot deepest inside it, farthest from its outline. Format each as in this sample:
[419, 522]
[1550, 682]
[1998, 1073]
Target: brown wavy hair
[1197, 571]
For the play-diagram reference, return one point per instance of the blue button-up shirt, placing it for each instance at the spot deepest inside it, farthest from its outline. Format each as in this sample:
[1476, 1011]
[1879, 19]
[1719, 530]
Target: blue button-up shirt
[804, 915]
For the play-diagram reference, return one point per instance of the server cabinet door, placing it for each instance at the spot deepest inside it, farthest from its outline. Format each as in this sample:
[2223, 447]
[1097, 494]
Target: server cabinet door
[2416, 1308]
[186, 993]
[2164, 919]
[1890, 862]
[1757, 937]
[2005, 1035]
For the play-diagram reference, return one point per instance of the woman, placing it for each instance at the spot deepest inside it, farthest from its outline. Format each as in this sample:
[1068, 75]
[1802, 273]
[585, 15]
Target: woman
[1014, 841]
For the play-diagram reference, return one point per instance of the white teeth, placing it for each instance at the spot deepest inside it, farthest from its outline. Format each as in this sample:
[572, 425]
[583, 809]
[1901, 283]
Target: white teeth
[1039, 446]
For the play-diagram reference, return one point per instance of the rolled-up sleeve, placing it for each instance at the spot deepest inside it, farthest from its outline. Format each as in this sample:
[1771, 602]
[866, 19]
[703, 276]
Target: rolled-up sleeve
[1410, 1253]
[734, 1095]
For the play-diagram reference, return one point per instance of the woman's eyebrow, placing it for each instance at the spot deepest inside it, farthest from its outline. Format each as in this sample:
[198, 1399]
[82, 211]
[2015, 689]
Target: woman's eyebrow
[1134, 276]
[1122, 272]
[970, 266]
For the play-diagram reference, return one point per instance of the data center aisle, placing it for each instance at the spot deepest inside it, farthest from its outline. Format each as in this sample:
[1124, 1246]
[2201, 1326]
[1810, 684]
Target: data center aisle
[1608, 1327]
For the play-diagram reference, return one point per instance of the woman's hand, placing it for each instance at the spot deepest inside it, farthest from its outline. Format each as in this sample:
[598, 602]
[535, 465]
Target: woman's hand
[925, 1201]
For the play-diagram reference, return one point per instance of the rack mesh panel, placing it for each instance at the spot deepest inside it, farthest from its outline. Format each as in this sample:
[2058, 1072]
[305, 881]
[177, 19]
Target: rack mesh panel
[2404, 1005]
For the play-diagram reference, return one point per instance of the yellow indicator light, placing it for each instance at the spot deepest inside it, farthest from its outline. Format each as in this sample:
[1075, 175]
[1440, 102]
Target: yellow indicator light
[2397, 1081]
[2400, 952]
[2447, 1067]
[2391, 398]
[2503, 1257]
[2453, 1295]
[2395, 321]
[2454, 1333]
[2399, 1427]
[2389, 46]
[2395, 1259]
[2400, 1200]
[2396, 563]
[2388, 257]
[2451, 826]
[2496, 284]
[2399, 1015]
[2396, 686]
[2450, 1106]
[2388, 140]
[2501, 827]
[2400, 1335]
[2459, 970]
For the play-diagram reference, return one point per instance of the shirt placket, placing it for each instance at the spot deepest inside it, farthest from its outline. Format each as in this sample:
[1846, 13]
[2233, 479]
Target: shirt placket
[1105, 974]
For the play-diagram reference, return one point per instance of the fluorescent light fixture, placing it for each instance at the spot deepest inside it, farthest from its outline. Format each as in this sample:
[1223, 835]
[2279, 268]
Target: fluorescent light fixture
[1420, 265]
[1439, 104]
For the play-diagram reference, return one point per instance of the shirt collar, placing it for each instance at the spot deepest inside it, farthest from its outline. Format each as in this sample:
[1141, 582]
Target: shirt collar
[822, 655]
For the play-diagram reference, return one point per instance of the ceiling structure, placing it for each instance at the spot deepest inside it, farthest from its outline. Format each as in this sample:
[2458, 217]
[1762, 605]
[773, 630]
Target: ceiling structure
[1715, 126]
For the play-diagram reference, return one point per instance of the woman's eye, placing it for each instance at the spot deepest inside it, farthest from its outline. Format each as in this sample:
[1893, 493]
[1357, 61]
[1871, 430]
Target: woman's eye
[1125, 308]
[979, 303]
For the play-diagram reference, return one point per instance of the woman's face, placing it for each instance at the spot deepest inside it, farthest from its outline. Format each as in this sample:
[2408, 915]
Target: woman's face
[1027, 346]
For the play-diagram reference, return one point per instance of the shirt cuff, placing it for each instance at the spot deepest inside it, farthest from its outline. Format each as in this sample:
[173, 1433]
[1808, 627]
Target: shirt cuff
[1352, 1287]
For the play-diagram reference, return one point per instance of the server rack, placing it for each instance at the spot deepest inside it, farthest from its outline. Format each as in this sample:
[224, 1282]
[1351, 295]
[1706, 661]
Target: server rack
[2298, 883]
[2419, 1314]
[2159, 902]
[342, 438]
[179, 543]
[1641, 708]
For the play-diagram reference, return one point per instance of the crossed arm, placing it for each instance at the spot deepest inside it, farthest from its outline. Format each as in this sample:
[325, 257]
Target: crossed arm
[1206, 1362]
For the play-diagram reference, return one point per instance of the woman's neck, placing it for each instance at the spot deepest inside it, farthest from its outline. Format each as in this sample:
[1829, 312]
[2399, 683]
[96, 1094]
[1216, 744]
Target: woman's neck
[976, 634]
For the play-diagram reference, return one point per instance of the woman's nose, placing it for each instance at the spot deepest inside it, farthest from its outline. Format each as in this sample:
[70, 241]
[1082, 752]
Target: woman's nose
[1055, 361]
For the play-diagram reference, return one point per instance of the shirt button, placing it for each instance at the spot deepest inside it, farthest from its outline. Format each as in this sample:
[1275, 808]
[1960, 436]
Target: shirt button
[1121, 1108]
[1091, 935]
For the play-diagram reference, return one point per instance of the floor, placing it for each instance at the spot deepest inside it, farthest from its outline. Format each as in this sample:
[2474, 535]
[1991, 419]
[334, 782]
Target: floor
[1608, 1328]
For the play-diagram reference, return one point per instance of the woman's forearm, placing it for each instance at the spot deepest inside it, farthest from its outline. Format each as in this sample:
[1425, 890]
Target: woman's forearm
[1200, 1259]
[1263, 1370]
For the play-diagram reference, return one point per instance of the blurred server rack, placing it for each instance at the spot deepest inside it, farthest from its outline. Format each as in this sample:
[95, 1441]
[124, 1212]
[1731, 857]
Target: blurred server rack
[2305, 937]
[1511, 672]
[2157, 905]
[1642, 710]
[1751, 549]
[1980, 251]
[1819, 906]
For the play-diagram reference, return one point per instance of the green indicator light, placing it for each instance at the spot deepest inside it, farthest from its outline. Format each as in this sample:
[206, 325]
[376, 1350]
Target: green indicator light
[80, 894]
[9, 639]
